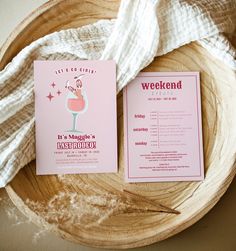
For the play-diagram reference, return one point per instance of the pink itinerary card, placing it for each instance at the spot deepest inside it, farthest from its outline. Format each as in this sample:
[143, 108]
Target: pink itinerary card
[163, 127]
[75, 110]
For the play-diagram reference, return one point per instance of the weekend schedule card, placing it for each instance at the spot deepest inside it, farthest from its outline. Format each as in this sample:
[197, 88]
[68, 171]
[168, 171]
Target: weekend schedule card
[163, 127]
[75, 110]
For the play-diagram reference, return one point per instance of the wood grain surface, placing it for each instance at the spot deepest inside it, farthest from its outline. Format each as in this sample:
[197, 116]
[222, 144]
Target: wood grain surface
[191, 199]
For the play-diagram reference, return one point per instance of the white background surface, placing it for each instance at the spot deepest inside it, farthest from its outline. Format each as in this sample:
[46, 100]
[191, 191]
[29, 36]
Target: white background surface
[215, 232]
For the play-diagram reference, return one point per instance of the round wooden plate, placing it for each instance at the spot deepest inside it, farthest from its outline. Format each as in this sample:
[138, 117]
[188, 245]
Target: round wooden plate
[192, 199]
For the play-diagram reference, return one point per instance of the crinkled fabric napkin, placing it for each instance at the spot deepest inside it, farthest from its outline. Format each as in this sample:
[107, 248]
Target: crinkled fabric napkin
[143, 29]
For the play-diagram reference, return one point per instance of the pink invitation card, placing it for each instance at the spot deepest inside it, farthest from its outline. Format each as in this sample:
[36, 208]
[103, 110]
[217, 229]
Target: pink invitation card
[163, 127]
[75, 111]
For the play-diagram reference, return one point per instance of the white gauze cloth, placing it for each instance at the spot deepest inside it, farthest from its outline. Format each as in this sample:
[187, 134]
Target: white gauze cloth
[143, 29]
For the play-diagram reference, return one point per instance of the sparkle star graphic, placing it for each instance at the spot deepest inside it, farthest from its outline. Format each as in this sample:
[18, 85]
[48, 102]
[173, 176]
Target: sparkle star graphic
[53, 84]
[50, 96]
[58, 93]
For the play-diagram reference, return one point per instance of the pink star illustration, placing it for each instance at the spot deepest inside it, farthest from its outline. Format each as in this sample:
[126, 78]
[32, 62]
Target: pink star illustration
[50, 96]
[58, 92]
[53, 84]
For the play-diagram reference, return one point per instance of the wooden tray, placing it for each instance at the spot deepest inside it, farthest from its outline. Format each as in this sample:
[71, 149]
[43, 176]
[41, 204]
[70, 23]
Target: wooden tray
[192, 199]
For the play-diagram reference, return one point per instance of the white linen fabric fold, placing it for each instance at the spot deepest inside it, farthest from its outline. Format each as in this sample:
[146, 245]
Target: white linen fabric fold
[144, 29]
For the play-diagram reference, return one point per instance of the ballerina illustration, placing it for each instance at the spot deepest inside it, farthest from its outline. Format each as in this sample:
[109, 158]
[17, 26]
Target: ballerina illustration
[76, 101]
